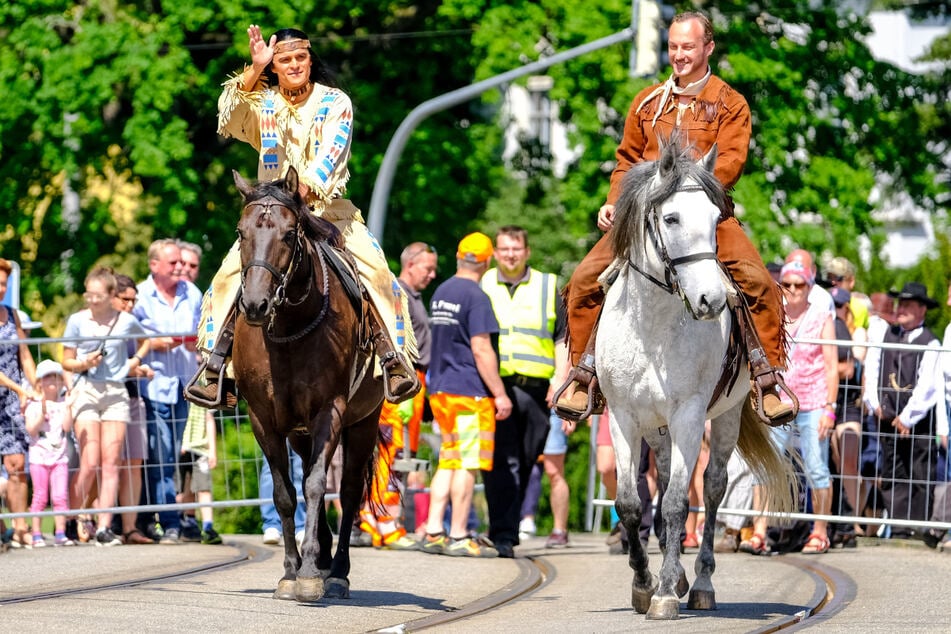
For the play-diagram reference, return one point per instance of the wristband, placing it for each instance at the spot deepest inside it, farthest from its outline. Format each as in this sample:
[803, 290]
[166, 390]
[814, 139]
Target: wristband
[831, 415]
[141, 360]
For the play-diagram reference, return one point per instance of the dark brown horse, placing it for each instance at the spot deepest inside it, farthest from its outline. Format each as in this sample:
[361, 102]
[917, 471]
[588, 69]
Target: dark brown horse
[302, 361]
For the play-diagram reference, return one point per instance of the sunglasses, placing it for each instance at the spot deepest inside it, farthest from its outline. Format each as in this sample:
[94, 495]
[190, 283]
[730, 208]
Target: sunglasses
[793, 285]
[426, 248]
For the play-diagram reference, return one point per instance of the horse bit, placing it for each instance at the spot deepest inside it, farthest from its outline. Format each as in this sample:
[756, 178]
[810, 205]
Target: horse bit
[280, 292]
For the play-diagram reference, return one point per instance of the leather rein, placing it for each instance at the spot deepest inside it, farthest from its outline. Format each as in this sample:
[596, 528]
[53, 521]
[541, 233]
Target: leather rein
[671, 282]
[280, 291]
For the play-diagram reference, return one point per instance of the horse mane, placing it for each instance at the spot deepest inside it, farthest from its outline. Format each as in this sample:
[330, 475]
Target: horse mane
[639, 195]
[315, 228]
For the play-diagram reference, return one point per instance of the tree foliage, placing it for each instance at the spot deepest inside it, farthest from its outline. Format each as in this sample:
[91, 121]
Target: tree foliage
[108, 129]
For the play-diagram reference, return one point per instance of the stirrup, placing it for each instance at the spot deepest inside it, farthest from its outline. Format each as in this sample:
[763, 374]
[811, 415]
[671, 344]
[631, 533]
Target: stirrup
[406, 388]
[766, 380]
[585, 377]
[214, 394]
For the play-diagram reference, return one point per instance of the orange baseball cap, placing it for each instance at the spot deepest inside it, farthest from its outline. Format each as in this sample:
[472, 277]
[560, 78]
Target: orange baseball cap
[475, 247]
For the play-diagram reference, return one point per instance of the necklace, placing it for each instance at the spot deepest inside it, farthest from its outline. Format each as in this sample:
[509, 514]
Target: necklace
[292, 95]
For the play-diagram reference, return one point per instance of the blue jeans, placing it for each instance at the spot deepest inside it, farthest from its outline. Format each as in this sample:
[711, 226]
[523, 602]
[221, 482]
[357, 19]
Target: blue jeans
[815, 452]
[165, 424]
[272, 519]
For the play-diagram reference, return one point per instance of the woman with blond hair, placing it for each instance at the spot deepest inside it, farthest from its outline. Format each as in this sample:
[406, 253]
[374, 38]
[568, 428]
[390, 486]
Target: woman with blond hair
[100, 362]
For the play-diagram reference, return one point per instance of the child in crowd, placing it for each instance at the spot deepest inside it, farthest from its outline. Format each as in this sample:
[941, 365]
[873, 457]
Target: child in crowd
[199, 438]
[48, 421]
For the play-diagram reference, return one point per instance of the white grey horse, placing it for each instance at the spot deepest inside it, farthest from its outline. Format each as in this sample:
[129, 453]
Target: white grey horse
[661, 345]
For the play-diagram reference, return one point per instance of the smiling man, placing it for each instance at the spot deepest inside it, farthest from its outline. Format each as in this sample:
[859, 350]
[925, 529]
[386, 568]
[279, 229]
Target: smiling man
[706, 111]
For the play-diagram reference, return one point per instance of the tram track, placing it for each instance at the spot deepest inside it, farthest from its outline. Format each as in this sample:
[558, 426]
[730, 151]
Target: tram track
[245, 555]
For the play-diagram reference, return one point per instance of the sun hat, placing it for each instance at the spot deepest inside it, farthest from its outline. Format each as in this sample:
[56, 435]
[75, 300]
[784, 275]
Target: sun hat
[475, 247]
[47, 367]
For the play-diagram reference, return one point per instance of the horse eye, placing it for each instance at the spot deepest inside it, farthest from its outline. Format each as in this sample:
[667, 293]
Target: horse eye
[290, 236]
[672, 219]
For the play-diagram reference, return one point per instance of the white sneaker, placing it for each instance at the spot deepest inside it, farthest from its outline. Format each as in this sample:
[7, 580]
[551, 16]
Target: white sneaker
[272, 536]
[526, 528]
[299, 537]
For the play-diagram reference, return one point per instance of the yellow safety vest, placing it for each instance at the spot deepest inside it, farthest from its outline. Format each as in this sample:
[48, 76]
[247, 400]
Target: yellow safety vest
[526, 323]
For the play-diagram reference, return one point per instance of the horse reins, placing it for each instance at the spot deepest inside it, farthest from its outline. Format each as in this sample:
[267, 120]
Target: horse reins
[280, 292]
[671, 284]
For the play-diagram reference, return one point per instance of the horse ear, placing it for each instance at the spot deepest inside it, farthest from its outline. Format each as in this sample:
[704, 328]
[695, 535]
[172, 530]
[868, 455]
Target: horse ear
[709, 160]
[291, 182]
[243, 186]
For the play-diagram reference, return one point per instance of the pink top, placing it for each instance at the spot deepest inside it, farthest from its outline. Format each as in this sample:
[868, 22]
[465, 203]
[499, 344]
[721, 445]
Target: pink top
[806, 375]
[49, 447]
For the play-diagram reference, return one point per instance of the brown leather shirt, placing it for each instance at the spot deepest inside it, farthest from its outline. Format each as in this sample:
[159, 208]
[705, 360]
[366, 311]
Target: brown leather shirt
[718, 115]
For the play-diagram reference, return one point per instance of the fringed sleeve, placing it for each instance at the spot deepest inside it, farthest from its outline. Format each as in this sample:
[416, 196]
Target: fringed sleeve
[238, 111]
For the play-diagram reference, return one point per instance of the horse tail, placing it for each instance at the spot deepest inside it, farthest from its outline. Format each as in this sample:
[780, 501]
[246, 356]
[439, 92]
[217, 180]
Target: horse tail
[769, 464]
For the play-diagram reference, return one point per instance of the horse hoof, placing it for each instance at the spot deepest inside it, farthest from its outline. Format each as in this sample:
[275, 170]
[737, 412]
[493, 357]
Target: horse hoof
[285, 590]
[702, 600]
[664, 609]
[309, 589]
[337, 588]
[682, 585]
[641, 596]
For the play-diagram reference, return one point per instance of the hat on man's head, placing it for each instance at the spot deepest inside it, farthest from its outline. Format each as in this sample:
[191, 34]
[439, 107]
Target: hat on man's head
[840, 296]
[26, 323]
[840, 268]
[915, 291]
[47, 367]
[476, 248]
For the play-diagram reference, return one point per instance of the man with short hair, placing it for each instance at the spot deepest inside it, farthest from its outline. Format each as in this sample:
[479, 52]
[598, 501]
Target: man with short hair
[466, 395]
[708, 112]
[167, 305]
[901, 389]
[532, 353]
[191, 260]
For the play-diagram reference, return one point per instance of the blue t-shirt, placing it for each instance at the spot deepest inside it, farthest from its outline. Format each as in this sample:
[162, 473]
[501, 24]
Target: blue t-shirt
[459, 310]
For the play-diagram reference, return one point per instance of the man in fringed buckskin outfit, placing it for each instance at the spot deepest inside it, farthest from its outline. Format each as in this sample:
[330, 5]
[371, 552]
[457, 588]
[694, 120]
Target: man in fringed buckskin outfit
[706, 111]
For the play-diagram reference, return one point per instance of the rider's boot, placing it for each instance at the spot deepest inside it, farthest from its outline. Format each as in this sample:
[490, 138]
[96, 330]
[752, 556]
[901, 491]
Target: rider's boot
[767, 383]
[400, 382]
[218, 392]
[586, 399]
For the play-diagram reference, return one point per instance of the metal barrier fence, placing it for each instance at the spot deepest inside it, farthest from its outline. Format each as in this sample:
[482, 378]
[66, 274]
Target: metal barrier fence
[240, 460]
[872, 476]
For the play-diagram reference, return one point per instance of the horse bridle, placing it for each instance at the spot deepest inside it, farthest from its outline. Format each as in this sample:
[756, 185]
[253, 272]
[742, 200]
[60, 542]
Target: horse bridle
[671, 282]
[280, 291]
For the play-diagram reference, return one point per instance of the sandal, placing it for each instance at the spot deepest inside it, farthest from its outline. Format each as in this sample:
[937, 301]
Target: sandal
[820, 546]
[755, 545]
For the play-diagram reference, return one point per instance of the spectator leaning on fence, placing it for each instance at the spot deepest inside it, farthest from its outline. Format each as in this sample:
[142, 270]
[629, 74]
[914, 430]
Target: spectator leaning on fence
[901, 389]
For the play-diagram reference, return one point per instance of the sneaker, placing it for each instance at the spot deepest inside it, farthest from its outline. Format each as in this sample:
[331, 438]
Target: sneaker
[171, 536]
[190, 531]
[401, 542]
[272, 536]
[64, 541]
[38, 541]
[210, 537]
[526, 528]
[359, 538]
[468, 547]
[557, 540]
[105, 537]
[154, 532]
[434, 544]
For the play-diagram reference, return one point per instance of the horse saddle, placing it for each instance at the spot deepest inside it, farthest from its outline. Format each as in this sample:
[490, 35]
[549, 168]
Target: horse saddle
[346, 269]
